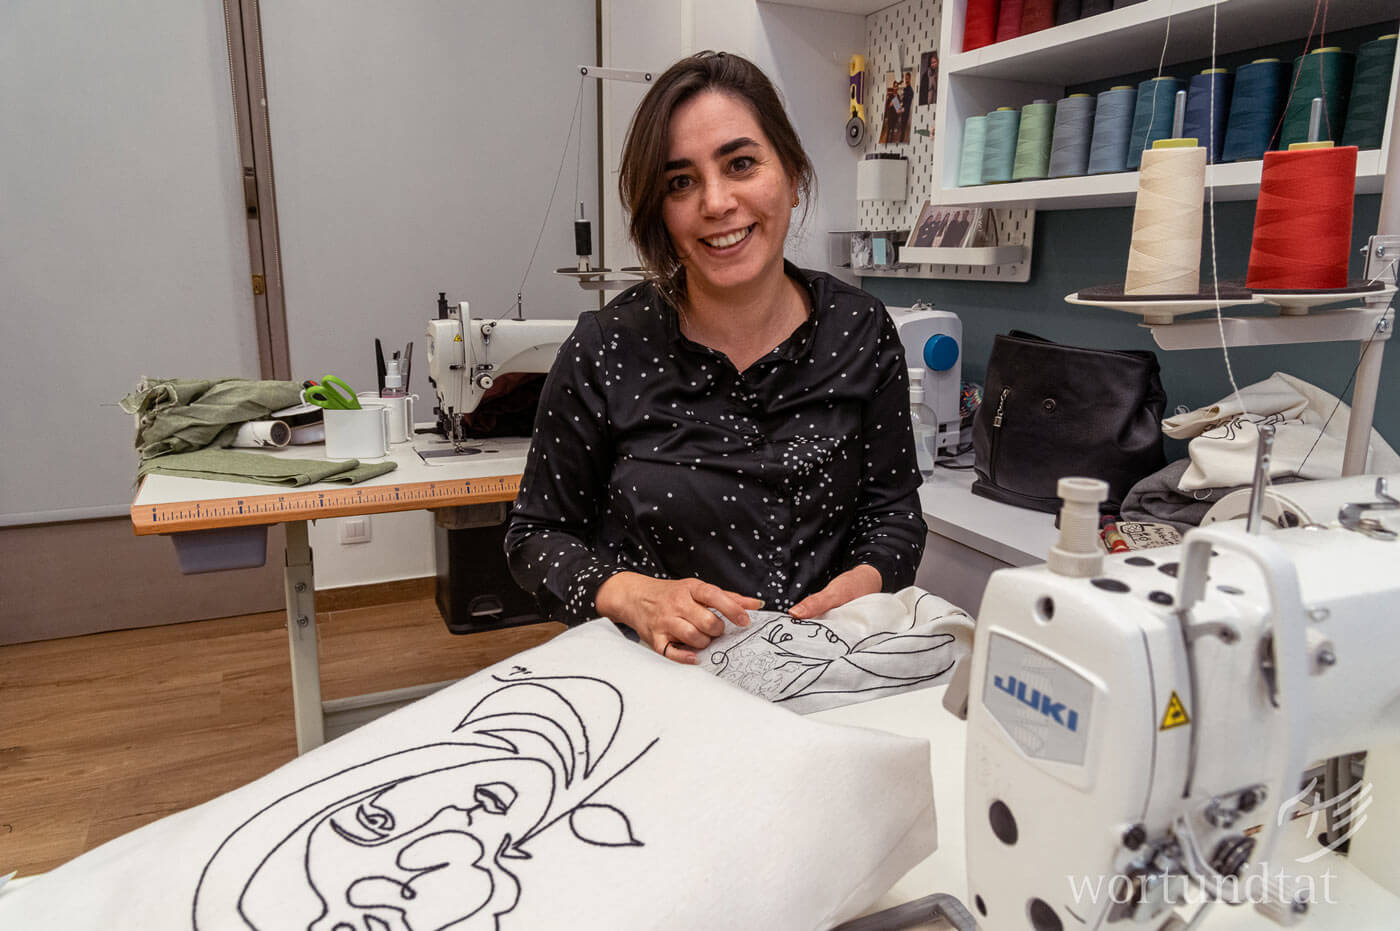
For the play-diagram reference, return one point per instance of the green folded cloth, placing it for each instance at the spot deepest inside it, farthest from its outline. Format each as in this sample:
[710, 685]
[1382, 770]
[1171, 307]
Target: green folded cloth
[177, 415]
[229, 466]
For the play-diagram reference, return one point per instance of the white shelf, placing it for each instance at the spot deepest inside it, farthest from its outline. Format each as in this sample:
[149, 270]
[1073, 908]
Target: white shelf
[948, 255]
[1231, 181]
[1130, 39]
[1041, 65]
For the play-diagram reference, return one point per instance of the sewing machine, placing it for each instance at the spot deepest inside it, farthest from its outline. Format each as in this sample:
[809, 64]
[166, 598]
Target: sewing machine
[466, 356]
[932, 341]
[1140, 725]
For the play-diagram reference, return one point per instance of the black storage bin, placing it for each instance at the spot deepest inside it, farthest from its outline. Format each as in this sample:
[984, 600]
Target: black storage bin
[475, 590]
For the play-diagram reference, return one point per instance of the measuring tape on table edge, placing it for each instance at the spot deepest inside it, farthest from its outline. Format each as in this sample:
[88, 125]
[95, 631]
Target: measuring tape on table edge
[278, 507]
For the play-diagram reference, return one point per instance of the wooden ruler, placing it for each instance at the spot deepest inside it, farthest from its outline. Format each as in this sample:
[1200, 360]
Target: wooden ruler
[277, 507]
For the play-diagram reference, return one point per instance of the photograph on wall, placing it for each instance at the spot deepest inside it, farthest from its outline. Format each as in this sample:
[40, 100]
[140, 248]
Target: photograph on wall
[928, 78]
[954, 227]
[899, 105]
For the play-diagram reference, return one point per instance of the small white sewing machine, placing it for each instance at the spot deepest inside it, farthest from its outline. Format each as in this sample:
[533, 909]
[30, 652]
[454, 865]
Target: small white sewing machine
[466, 356]
[932, 341]
[1140, 725]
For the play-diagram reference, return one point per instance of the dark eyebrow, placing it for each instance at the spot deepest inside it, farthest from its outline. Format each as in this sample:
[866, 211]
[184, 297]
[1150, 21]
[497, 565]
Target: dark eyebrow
[729, 147]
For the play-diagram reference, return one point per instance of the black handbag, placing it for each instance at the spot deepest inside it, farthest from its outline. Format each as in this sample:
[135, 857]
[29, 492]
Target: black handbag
[1050, 410]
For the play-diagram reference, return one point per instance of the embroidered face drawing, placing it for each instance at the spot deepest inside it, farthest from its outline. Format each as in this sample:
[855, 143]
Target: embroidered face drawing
[429, 852]
[806, 639]
[781, 658]
[433, 836]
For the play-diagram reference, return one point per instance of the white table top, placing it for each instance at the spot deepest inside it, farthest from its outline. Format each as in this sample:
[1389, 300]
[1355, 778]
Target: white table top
[1014, 535]
[1357, 901]
[499, 456]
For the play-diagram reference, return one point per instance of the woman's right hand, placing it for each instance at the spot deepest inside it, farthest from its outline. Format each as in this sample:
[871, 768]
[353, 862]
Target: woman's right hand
[673, 617]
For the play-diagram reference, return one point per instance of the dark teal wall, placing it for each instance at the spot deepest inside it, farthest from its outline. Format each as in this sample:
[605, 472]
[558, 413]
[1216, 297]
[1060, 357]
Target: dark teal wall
[1079, 248]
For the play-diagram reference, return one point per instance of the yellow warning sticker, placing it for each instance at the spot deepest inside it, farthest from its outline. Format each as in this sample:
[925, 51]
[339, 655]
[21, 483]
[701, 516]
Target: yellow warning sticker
[1176, 713]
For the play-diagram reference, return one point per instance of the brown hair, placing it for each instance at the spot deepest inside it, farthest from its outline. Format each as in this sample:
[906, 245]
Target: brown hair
[642, 185]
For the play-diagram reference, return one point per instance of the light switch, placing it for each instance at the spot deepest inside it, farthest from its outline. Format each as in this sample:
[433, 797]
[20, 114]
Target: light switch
[354, 530]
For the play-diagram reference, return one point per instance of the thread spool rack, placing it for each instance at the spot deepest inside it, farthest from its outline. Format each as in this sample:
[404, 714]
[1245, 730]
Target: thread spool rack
[1124, 41]
[897, 35]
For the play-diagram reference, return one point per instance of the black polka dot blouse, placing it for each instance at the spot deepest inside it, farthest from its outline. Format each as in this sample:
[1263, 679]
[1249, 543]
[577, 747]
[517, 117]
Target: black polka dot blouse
[652, 453]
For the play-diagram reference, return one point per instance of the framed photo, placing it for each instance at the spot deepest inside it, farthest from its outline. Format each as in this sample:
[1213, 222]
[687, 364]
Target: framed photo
[898, 107]
[953, 227]
[928, 78]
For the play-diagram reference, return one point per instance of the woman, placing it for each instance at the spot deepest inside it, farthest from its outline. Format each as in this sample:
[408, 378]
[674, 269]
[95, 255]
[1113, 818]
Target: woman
[735, 431]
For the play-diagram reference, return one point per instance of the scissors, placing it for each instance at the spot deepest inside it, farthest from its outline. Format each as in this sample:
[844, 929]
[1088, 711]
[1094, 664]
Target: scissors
[333, 394]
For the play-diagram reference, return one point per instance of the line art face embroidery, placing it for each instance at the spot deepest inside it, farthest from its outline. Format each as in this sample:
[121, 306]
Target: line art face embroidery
[431, 837]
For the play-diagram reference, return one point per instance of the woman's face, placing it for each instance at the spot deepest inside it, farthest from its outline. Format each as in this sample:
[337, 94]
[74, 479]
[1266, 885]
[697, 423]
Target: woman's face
[729, 199]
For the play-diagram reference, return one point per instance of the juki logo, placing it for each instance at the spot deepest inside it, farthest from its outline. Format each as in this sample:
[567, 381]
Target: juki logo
[1038, 701]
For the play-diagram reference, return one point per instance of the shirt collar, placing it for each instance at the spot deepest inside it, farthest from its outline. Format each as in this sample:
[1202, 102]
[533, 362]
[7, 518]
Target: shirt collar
[792, 348]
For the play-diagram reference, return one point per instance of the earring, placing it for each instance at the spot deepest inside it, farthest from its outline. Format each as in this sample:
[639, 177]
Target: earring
[794, 201]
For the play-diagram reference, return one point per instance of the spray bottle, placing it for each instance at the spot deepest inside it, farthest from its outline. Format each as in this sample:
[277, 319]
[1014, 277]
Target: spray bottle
[925, 436]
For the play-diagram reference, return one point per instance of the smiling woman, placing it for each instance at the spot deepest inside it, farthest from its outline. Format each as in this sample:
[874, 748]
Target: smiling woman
[734, 432]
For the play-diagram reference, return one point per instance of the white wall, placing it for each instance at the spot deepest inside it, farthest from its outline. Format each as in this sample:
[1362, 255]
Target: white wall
[123, 249]
[415, 147]
[804, 51]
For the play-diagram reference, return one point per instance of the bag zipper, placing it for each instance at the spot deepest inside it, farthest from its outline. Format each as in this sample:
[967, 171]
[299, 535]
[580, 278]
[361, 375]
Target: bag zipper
[996, 436]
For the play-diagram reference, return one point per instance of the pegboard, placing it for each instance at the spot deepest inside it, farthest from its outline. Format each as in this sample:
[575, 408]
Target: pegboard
[895, 36]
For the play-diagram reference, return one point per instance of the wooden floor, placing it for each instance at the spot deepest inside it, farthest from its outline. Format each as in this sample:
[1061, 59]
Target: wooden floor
[104, 733]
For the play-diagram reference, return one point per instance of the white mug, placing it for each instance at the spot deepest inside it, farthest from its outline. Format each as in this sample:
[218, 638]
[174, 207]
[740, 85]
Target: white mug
[357, 434]
[400, 413]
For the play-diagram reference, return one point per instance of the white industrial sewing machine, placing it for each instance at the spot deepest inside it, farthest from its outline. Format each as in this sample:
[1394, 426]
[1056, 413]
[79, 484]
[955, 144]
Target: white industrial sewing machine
[1139, 725]
[466, 356]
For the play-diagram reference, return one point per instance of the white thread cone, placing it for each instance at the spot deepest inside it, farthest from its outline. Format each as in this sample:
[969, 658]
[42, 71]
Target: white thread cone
[1165, 254]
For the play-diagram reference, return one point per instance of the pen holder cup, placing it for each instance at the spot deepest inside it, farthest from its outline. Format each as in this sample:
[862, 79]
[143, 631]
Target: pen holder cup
[358, 434]
[400, 413]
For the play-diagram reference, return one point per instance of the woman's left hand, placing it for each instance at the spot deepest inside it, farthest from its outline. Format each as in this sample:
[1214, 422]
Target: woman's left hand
[848, 586]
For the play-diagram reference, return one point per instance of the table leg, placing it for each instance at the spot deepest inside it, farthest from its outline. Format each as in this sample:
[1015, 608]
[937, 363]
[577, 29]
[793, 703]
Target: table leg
[301, 634]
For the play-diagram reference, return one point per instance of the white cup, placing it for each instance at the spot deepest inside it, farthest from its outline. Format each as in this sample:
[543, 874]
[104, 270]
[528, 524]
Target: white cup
[358, 434]
[400, 414]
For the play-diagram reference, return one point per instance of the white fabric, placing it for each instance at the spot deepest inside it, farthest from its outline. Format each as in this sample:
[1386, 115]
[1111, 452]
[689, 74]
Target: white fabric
[868, 648]
[1224, 440]
[586, 783]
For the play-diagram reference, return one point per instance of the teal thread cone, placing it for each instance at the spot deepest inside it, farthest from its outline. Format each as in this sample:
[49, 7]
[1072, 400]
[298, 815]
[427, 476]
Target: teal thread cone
[974, 141]
[1370, 94]
[1324, 73]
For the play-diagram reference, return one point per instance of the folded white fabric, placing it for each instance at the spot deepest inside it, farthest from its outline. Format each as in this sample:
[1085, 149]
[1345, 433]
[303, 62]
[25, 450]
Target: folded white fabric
[867, 648]
[586, 783]
[1224, 437]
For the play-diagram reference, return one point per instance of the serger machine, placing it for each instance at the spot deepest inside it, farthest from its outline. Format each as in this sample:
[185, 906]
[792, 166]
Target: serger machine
[932, 341]
[1139, 725]
[466, 356]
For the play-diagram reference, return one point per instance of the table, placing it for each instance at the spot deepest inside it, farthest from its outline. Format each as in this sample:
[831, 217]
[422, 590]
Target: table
[1358, 902]
[970, 538]
[168, 504]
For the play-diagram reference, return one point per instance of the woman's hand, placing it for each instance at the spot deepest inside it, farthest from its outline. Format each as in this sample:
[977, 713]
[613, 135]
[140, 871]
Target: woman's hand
[673, 617]
[848, 586]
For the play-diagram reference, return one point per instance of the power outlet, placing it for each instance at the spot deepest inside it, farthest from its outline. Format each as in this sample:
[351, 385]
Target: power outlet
[354, 530]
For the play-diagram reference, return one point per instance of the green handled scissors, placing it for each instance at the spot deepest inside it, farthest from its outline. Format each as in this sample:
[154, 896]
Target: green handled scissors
[333, 394]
